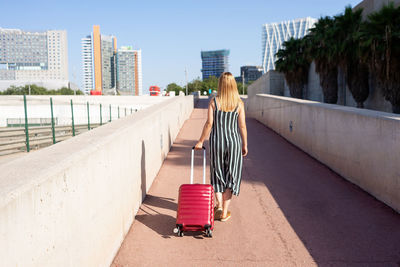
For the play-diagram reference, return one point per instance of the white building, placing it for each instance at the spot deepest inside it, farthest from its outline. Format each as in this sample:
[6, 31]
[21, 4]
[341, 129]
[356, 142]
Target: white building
[39, 58]
[87, 64]
[274, 34]
[98, 62]
[107, 70]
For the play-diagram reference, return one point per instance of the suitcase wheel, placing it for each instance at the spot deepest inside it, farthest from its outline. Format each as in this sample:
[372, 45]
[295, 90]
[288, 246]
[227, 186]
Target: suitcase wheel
[209, 232]
[178, 230]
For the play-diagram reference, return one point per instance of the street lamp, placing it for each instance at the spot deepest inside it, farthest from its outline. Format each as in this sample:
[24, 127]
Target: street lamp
[186, 81]
[242, 82]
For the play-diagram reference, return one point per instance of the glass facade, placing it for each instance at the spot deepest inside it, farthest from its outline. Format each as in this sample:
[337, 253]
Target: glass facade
[101, 71]
[108, 67]
[129, 71]
[214, 63]
[250, 73]
[33, 56]
[126, 70]
[274, 34]
[107, 59]
[21, 50]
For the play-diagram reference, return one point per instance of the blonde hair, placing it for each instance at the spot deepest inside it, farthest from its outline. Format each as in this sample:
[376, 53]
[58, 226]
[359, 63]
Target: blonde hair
[228, 94]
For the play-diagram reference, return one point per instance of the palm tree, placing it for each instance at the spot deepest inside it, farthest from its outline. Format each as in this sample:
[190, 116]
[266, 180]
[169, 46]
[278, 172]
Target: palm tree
[356, 72]
[380, 37]
[294, 63]
[324, 50]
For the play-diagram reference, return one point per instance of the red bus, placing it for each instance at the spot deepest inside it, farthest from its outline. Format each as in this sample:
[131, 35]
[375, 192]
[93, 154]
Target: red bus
[94, 92]
[154, 90]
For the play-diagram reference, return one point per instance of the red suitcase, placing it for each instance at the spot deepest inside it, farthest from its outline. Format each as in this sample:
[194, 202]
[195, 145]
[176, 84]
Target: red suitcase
[195, 204]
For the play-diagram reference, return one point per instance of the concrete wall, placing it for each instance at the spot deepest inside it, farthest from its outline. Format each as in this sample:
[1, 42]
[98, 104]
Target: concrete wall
[71, 204]
[271, 82]
[361, 145]
[274, 83]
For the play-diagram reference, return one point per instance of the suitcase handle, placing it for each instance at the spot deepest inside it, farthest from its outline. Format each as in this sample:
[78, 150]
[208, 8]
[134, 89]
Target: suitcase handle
[204, 165]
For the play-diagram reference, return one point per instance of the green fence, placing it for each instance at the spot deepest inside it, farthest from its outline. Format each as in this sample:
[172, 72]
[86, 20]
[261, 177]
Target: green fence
[37, 131]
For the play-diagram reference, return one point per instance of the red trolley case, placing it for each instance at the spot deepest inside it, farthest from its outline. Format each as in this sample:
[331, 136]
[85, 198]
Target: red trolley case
[195, 204]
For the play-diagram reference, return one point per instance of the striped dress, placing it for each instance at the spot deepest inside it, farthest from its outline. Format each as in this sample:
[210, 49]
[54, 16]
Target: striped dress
[225, 151]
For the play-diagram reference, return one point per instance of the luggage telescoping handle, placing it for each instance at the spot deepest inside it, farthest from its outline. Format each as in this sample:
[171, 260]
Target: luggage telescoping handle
[204, 165]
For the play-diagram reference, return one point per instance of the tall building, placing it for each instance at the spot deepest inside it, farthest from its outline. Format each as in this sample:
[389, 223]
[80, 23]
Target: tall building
[214, 63]
[274, 34]
[87, 63]
[39, 58]
[250, 73]
[129, 71]
[98, 60]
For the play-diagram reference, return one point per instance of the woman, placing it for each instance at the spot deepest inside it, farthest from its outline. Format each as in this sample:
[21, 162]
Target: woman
[225, 112]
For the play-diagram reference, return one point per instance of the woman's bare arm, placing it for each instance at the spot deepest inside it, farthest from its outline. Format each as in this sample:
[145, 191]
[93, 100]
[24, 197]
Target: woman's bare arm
[243, 128]
[207, 126]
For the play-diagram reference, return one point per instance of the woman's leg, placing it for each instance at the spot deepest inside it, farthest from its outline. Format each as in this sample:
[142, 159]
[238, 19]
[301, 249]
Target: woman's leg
[220, 201]
[227, 196]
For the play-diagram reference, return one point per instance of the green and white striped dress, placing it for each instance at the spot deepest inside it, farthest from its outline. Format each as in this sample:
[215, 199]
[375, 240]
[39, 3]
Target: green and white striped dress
[225, 151]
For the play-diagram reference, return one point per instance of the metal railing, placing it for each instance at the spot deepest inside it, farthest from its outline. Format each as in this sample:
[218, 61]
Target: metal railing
[25, 134]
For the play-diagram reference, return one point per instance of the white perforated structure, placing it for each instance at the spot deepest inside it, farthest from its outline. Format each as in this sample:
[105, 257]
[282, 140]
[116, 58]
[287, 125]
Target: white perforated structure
[274, 34]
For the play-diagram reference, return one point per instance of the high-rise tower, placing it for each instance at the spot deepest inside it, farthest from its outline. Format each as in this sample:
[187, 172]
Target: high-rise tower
[274, 34]
[98, 59]
[129, 71]
[34, 58]
[214, 63]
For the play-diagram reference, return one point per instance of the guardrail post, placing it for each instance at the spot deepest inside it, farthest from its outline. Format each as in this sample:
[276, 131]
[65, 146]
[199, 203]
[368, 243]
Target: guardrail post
[88, 116]
[131, 110]
[26, 126]
[118, 112]
[101, 118]
[110, 112]
[73, 122]
[52, 121]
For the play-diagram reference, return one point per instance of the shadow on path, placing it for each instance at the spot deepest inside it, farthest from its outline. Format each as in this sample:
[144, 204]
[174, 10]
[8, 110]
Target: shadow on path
[161, 202]
[336, 220]
[160, 223]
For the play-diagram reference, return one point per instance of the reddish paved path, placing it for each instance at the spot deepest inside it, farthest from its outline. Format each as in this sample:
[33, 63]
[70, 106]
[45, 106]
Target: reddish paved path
[292, 211]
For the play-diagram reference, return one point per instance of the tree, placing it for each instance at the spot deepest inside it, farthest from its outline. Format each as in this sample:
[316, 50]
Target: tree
[38, 90]
[210, 83]
[294, 63]
[324, 50]
[380, 37]
[68, 91]
[175, 88]
[195, 85]
[349, 54]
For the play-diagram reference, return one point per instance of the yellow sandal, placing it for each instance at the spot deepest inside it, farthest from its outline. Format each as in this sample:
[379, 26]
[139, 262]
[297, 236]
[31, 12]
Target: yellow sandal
[227, 217]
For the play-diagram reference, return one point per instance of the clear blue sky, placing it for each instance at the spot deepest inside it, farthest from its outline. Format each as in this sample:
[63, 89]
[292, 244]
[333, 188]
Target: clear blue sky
[171, 33]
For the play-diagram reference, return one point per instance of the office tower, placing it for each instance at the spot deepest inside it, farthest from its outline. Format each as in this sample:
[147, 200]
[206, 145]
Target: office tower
[129, 71]
[250, 73]
[98, 60]
[274, 34]
[87, 62]
[214, 63]
[39, 58]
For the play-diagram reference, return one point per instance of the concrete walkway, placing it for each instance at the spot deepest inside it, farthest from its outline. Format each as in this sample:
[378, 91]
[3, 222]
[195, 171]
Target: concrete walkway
[292, 211]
